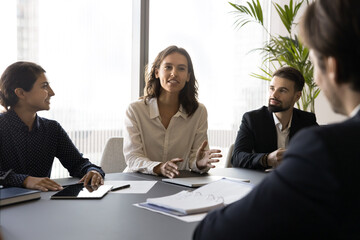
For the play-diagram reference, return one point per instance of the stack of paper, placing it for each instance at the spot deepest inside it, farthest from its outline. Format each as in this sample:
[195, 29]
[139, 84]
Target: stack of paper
[202, 200]
[184, 203]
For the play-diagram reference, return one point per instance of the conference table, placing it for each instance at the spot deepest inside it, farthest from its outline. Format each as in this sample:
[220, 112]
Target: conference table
[112, 217]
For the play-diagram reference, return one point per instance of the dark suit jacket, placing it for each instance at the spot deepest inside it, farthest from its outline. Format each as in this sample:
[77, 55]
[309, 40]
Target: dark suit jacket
[313, 194]
[257, 135]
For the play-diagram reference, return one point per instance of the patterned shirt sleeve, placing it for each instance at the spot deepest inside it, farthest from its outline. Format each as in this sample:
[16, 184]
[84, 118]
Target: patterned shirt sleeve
[71, 158]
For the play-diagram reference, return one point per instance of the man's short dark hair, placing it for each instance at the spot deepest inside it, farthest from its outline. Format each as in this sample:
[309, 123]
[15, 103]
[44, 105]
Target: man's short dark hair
[331, 28]
[291, 74]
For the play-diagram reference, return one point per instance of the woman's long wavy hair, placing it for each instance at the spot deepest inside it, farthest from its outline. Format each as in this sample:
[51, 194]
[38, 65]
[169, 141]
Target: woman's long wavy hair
[188, 95]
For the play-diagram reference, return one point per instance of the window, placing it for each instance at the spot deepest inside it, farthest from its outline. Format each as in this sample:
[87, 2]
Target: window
[84, 48]
[87, 49]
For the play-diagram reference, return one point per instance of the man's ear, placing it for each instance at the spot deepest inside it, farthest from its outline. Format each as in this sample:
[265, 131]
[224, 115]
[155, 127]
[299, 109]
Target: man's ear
[20, 93]
[331, 69]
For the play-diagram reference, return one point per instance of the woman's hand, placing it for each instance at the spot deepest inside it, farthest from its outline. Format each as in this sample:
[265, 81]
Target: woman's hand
[92, 177]
[169, 168]
[42, 184]
[204, 158]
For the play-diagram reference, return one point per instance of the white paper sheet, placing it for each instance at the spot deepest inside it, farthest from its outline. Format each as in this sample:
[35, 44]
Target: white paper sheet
[229, 190]
[135, 186]
[187, 218]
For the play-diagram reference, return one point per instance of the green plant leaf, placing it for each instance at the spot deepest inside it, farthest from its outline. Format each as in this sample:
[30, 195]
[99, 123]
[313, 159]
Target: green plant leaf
[259, 76]
[252, 13]
[288, 13]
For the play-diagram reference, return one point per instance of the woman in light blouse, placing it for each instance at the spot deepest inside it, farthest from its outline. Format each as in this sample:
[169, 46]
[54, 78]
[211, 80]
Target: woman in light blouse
[166, 130]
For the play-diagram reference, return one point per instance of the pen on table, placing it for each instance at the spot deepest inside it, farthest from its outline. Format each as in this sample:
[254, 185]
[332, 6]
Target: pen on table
[120, 187]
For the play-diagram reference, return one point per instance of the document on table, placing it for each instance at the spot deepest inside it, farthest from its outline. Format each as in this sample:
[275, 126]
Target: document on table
[135, 186]
[213, 195]
[184, 203]
[188, 218]
[229, 189]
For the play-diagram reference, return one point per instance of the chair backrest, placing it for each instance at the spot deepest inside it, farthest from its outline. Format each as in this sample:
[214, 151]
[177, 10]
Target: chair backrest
[113, 159]
[229, 155]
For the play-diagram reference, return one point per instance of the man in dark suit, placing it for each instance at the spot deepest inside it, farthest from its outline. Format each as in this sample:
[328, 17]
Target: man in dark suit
[265, 133]
[314, 193]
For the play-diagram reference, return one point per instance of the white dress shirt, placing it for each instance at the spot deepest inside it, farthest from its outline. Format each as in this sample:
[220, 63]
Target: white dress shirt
[282, 135]
[354, 111]
[147, 143]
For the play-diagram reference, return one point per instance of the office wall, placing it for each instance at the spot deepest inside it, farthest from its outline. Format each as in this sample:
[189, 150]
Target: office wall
[324, 113]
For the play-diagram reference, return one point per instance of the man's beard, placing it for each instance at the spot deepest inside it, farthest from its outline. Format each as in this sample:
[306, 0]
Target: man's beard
[274, 109]
[280, 108]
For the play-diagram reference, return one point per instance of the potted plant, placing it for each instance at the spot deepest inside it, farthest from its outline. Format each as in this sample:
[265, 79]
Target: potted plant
[281, 50]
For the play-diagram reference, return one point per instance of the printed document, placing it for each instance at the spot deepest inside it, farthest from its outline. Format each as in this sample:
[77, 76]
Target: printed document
[200, 201]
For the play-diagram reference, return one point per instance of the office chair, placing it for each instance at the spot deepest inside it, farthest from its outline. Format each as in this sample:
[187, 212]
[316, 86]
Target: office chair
[113, 159]
[229, 155]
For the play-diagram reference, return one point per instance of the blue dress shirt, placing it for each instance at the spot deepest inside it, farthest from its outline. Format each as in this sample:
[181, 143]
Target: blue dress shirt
[31, 153]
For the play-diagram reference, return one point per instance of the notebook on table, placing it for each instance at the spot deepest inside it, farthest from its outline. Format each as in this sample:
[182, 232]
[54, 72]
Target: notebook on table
[197, 181]
[15, 195]
[184, 203]
[211, 196]
[79, 191]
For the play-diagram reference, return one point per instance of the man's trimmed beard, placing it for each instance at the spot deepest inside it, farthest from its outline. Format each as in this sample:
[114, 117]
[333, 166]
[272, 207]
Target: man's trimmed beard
[273, 108]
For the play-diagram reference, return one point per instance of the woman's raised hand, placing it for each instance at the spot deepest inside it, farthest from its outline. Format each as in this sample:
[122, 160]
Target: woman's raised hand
[205, 158]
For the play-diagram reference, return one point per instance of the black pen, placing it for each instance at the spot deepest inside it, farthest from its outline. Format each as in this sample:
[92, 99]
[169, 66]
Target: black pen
[120, 187]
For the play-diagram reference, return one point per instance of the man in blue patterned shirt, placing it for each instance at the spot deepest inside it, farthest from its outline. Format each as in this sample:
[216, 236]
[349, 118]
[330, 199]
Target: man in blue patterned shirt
[29, 143]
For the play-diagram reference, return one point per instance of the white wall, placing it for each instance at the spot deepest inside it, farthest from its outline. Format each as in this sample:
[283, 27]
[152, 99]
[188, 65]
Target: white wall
[324, 113]
[8, 23]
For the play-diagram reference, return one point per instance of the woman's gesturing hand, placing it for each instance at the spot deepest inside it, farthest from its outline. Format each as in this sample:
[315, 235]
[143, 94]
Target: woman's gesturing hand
[205, 158]
[168, 169]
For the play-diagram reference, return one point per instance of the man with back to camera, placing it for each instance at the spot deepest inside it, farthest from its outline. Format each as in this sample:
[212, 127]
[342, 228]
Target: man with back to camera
[264, 133]
[314, 193]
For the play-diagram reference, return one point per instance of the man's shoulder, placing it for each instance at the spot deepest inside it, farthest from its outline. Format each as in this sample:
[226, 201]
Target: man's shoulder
[350, 127]
[335, 146]
[302, 113]
[303, 119]
[258, 115]
[260, 111]
[338, 133]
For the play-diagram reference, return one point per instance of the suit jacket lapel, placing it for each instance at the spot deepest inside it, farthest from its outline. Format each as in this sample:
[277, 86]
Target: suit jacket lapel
[295, 125]
[271, 129]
